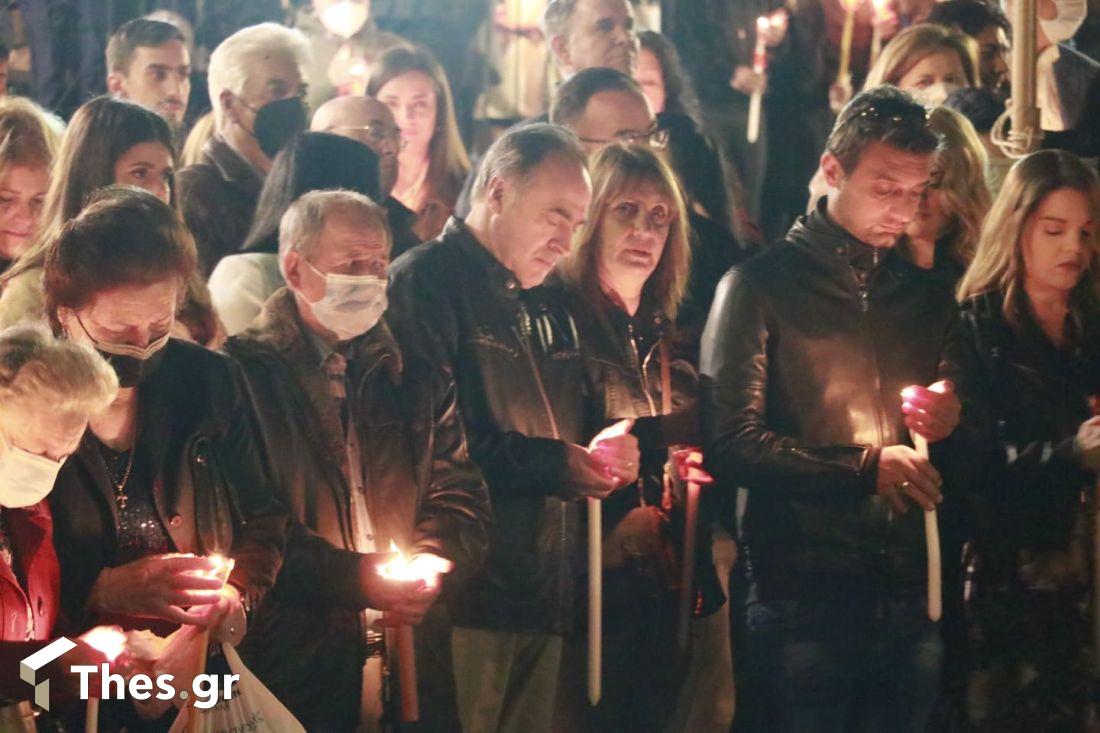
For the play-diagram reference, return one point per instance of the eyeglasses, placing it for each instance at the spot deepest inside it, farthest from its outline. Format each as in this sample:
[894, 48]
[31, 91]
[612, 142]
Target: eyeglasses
[377, 134]
[654, 136]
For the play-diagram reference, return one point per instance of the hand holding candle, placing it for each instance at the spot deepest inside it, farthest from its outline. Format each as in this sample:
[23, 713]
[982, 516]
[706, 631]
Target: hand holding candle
[932, 412]
[931, 521]
[111, 643]
[617, 450]
[423, 573]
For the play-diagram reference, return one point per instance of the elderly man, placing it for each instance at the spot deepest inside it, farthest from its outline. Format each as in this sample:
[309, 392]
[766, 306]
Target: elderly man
[148, 62]
[370, 122]
[362, 462]
[470, 305]
[589, 33]
[256, 80]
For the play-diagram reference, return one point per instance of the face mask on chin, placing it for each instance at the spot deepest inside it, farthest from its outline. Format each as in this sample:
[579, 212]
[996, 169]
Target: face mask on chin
[25, 478]
[351, 305]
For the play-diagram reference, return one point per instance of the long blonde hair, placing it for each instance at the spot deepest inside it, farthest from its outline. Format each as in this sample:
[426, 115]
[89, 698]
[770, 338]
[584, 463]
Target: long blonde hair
[907, 48]
[999, 261]
[616, 169]
[960, 162]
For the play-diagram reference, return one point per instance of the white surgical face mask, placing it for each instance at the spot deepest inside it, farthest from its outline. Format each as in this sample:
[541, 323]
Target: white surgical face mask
[352, 304]
[25, 479]
[934, 95]
[1064, 26]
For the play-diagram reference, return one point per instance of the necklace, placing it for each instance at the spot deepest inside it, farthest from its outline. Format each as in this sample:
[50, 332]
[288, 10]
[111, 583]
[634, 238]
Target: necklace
[120, 485]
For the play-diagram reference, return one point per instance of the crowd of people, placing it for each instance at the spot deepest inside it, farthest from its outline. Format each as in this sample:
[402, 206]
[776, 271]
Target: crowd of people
[314, 341]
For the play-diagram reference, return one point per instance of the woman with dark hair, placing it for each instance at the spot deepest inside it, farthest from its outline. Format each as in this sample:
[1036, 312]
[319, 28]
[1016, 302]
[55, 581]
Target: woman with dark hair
[626, 277]
[1026, 366]
[172, 473]
[662, 78]
[433, 164]
[109, 141]
[714, 224]
[314, 161]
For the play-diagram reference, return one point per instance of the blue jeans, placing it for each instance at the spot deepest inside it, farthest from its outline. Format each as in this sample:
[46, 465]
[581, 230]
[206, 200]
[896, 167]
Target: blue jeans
[840, 666]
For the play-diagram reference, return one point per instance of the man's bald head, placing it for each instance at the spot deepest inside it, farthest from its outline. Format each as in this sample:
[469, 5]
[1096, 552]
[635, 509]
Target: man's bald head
[370, 122]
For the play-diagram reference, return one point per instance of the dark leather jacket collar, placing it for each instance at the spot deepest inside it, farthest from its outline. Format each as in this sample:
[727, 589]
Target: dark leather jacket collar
[828, 241]
[500, 278]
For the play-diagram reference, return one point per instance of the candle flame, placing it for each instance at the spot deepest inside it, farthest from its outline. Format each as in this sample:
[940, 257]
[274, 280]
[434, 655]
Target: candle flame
[763, 23]
[108, 640]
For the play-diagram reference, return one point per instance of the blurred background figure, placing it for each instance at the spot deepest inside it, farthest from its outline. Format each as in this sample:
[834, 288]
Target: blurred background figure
[148, 62]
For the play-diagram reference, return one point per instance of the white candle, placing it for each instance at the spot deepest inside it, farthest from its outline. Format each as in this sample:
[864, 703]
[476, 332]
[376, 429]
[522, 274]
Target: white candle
[846, 41]
[595, 600]
[931, 532]
[110, 642]
[759, 66]
[880, 16]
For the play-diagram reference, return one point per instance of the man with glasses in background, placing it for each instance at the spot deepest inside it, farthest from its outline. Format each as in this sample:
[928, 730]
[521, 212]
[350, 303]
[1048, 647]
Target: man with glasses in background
[370, 122]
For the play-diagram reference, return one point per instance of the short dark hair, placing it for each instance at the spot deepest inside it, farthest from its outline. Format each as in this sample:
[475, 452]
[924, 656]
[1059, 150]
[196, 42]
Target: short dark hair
[573, 95]
[969, 16]
[312, 161]
[979, 105]
[135, 33]
[883, 114]
[124, 236]
[517, 153]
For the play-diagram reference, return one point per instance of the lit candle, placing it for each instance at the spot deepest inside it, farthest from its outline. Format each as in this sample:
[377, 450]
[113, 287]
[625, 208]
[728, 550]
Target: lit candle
[595, 571]
[931, 530]
[687, 572]
[759, 66]
[110, 642]
[842, 75]
[223, 566]
[882, 13]
[422, 567]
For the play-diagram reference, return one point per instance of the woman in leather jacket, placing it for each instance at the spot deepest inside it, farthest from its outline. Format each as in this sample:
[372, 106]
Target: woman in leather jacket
[172, 472]
[1027, 366]
[625, 279]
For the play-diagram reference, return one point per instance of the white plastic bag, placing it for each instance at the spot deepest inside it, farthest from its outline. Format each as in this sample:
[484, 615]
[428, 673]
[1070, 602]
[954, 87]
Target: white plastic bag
[251, 708]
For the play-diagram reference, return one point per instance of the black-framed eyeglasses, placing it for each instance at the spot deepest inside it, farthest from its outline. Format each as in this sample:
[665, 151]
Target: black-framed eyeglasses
[377, 134]
[655, 136]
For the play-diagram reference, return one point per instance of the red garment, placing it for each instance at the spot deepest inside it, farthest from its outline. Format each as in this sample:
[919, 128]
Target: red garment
[36, 578]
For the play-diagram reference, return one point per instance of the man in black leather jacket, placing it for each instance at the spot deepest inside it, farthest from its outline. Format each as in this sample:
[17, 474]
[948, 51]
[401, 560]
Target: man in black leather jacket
[804, 358]
[470, 304]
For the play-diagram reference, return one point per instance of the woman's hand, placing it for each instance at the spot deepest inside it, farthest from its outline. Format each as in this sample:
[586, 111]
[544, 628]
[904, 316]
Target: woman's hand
[159, 586]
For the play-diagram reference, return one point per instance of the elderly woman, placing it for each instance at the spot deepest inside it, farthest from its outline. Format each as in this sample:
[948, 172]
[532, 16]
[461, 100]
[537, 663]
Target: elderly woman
[171, 474]
[48, 390]
[626, 276]
[1027, 368]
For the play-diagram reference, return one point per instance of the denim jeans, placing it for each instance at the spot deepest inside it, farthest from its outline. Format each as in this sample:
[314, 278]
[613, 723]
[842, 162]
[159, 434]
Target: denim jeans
[840, 666]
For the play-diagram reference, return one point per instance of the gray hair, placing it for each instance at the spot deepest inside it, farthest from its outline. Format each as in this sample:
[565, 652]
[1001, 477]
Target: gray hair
[52, 374]
[556, 17]
[305, 219]
[517, 153]
[232, 61]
